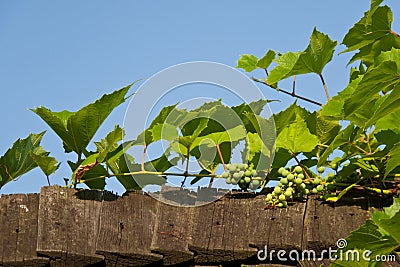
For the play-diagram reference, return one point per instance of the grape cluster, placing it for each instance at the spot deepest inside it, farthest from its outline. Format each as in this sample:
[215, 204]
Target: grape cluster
[294, 185]
[243, 175]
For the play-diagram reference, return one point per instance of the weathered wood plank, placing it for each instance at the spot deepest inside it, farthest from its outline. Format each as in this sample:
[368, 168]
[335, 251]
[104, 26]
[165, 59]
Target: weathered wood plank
[326, 223]
[219, 232]
[172, 232]
[67, 225]
[276, 228]
[126, 230]
[18, 220]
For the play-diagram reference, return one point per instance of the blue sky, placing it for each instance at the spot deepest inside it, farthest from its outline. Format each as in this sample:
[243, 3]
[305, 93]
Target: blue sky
[66, 54]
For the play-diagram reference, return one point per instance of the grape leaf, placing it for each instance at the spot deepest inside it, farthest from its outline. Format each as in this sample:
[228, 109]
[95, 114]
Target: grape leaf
[89, 172]
[257, 153]
[110, 143]
[312, 60]
[76, 129]
[334, 107]
[255, 107]
[18, 160]
[292, 114]
[375, 24]
[153, 132]
[380, 78]
[318, 53]
[296, 137]
[47, 164]
[394, 159]
[247, 62]
[380, 235]
[121, 166]
[284, 69]
[266, 60]
[343, 137]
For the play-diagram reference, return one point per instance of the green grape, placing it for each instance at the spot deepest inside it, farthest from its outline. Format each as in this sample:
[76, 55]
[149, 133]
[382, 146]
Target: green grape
[247, 173]
[321, 169]
[303, 186]
[282, 197]
[277, 190]
[253, 172]
[247, 180]
[298, 181]
[330, 177]
[316, 181]
[290, 184]
[298, 169]
[241, 166]
[333, 166]
[306, 191]
[242, 184]
[234, 182]
[290, 177]
[246, 166]
[228, 180]
[232, 167]
[280, 170]
[236, 176]
[285, 173]
[300, 175]
[269, 197]
[284, 181]
[320, 188]
[241, 173]
[256, 183]
[280, 184]
[314, 191]
[280, 205]
[284, 204]
[288, 193]
[225, 175]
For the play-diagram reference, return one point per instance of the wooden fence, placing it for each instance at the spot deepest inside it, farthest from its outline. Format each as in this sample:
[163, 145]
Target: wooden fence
[68, 227]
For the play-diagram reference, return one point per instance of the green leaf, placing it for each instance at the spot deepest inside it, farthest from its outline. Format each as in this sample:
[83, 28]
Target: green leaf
[83, 125]
[247, 62]
[318, 53]
[389, 122]
[76, 129]
[358, 106]
[266, 60]
[394, 159]
[110, 143]
[380, 235]
[94, 174]
[296, 137]
[392, 55]
[292, 114]
[47, 164]
[243, 109]
[230, 135]
[313, 60]
[122, 165]
[343, 137]
[375, 24]
[326, 130]
[334, 107]
[284, 69]
[17, 160]
[153, 133]
[257, 154]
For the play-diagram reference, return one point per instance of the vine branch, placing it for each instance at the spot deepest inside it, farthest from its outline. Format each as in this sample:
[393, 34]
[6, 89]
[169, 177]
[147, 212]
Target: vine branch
[324, 84]
[287, 92]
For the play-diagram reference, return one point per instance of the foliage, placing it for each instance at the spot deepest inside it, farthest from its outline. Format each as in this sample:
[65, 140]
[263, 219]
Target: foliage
[378, 237]
[20, 158]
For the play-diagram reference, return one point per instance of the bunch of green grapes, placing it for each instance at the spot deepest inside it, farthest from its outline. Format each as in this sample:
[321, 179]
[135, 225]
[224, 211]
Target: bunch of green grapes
[293, 184]
[243, 175]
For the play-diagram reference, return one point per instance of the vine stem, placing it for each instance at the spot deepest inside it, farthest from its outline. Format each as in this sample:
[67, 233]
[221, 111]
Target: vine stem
[48, 180]
[221, 157]
[287, 92]
[302, 167]
[144, 157]
[325, 87]
[187, 167]
[79, 161]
